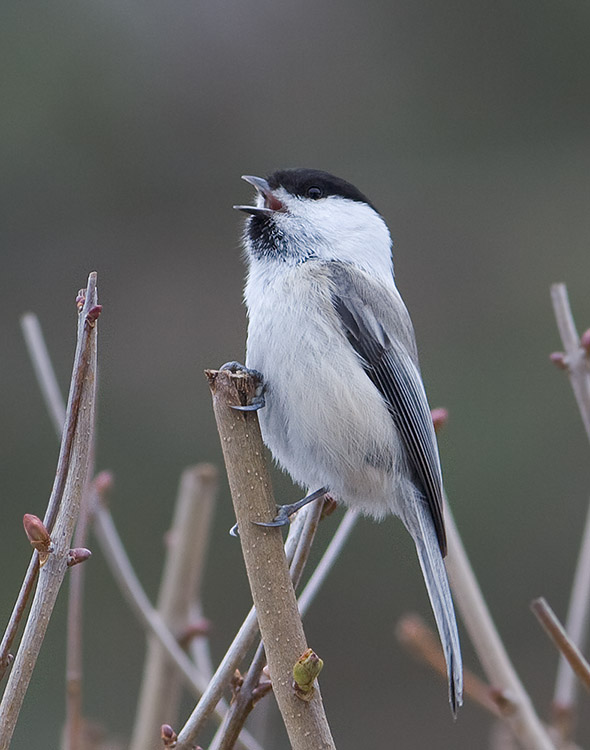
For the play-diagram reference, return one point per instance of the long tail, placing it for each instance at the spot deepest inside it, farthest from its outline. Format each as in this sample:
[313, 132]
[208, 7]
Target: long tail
[421, 526]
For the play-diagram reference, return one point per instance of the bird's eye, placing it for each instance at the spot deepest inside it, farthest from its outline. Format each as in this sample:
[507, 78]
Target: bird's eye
[314, 192]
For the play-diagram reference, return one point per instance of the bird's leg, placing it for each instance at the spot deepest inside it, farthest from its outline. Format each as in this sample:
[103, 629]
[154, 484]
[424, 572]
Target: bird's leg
[285, 511]
[258, 400]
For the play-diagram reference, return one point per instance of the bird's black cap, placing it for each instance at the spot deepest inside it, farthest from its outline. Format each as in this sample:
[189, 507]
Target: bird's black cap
[313, 183]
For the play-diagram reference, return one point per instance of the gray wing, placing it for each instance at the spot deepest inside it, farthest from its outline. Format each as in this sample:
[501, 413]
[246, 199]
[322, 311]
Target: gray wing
[378, 328]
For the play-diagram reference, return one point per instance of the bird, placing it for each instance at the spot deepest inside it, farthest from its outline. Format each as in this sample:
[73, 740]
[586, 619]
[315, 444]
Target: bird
[345, 409]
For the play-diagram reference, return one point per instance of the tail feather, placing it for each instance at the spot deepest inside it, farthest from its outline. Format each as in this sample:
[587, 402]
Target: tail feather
[421, 527]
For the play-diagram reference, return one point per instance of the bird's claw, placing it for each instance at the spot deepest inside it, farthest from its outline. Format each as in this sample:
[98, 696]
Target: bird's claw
[285, 511]
[281, 519]
[258, 400]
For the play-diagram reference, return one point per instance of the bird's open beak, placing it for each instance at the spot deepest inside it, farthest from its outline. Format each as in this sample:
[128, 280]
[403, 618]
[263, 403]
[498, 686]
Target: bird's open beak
[271, 202]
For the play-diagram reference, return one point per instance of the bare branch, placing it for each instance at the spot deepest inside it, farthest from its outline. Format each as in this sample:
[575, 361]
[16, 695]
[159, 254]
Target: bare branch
[122, 571]
[44, 370]
[413, 633]
[234, 655]
[252, 690]
[181, 579]
[327, 561]
[61, 515]
[266, 566]
[576, 359]
[519, 713]
[562, 641]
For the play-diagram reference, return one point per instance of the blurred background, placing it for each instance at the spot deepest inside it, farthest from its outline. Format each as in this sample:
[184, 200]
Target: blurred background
[125, 127]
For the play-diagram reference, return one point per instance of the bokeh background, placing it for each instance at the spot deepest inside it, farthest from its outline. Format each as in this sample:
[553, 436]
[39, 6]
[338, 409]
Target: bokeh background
[125, 127]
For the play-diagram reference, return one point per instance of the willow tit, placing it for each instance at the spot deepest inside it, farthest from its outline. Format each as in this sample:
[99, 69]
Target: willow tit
[346, 408]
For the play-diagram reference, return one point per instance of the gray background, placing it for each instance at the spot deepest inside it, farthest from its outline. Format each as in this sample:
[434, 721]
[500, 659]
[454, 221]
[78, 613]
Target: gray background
[124, 129]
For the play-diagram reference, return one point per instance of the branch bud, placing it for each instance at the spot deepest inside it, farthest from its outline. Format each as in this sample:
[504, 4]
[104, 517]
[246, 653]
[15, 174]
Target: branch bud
[92, 315]
[78, 555]
[38, 536]
[168, 735]
[196, 629]
[330, 505]
[305, 671]
[440, 417]
[585, 342]
[80, 299]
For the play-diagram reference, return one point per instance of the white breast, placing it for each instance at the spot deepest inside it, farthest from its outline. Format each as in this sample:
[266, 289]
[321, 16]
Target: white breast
[324, 421]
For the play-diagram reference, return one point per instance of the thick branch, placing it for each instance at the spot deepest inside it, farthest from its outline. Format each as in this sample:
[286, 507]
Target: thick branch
[235, 653]
[266, 566]
[253, 688]
[62, 511]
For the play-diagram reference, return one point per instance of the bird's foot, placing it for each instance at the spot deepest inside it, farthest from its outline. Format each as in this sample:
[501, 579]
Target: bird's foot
[284, 511]
[257, 401]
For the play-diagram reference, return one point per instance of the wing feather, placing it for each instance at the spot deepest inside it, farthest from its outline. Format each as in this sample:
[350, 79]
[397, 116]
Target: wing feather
[378, 328]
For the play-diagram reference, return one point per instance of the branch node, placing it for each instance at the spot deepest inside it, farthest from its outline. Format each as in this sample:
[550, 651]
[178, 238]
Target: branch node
[504, 700]
[559, 360]
[264, 686]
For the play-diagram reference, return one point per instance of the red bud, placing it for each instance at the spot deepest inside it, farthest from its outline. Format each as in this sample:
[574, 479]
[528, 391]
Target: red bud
[38, 536]
[168, 735]
[78, 555]
[440, 417]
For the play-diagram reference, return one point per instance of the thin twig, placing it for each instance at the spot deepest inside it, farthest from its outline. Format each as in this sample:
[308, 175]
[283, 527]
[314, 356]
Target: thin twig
[73, 730]
[577, 622]
[242, 704]
[44, 371]
[62, 512]
[187, 546]
[122, 571]
[73, 409]
[413, 633]
[56, 408]
[327, 561]
[576, 359]
[519, 711]
[562, 641]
